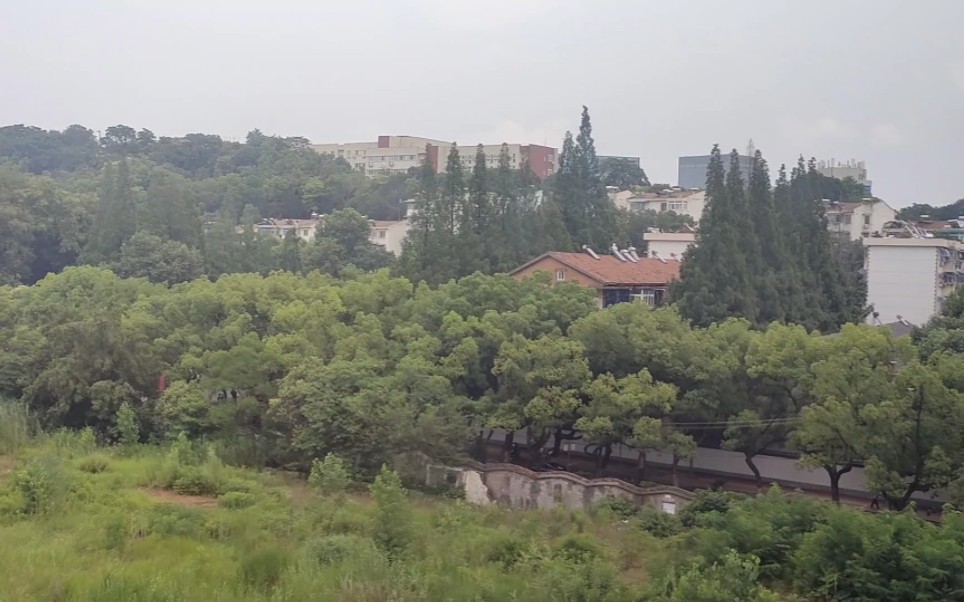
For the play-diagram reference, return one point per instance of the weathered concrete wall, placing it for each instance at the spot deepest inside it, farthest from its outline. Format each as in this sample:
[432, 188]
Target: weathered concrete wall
[518, 487]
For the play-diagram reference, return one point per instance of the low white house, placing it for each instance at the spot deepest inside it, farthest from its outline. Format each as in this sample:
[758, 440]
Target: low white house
[858, 220]
[668, 245]
[390, 234]
[911, 277]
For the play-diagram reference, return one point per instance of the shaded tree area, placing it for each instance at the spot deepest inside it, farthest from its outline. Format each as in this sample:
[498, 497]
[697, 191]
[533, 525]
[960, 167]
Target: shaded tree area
[944, 212]
[766, 255]
[371, 365]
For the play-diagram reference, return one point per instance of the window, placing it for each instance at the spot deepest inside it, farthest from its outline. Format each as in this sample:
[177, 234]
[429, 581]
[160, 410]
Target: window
[668, 505]
[675, 206]
[646, 295]
[557, 493]
[381, 234]
[560, 274]
[866, 219]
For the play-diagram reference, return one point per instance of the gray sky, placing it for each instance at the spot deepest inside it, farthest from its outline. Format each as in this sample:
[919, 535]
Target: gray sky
[876, 80]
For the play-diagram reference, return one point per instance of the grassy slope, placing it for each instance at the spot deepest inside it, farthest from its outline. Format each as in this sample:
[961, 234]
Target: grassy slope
[115, 535]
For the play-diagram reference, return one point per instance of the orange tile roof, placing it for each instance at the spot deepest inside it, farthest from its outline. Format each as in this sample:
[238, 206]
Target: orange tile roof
[609, 271]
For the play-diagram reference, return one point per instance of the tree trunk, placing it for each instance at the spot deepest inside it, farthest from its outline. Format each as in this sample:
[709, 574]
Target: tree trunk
[835, 475]
[641, 468]
[675, 474]
[507, 446]
[607, 452]
[757, 477]
[599, 459]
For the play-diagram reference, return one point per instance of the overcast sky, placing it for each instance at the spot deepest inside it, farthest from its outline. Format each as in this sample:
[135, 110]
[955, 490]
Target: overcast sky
[874, 80]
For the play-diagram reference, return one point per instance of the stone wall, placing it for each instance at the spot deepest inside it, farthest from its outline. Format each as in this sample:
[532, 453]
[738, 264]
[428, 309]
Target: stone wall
[518, 487]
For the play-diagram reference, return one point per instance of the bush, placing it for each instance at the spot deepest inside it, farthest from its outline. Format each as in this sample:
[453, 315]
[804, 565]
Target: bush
[330, 476]
[42, 485]
[506, 550]
[578, 549]
[618, 507]
[115, 534]
[393, 519]
[236, 500]
[707, 501]
[171, 520]
[658, 523]
[735, 578]
[262, 569]
[194, 481]
[334, 549]
[94, 464]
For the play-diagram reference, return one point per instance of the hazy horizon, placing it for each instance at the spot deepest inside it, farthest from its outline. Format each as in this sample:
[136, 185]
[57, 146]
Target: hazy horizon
[876, 81]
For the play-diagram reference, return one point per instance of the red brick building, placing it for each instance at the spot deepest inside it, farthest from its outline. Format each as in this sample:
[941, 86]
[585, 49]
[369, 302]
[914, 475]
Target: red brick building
[615, 280]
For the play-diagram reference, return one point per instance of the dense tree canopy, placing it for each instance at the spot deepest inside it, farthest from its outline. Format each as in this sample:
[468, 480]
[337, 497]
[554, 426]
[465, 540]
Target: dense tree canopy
[766, 255]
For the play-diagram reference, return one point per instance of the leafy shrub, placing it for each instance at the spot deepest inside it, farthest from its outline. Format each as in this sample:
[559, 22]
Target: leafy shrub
[262, 569]
[94, 464]
[734, 578]
[171, 520]
[393, 518]
[42, 485]
[330, 476]
[660, 524]
[506, 550]
[236, 500]
[618, 507]
[194, 481]
[707, 501]
[578, 549]
[334, 549]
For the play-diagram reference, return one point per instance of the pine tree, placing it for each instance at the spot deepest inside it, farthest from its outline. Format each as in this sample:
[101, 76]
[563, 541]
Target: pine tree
[600, 211]
[573, 212]
[715, 281]
[116, 217]
[766, 246]
[478, 239]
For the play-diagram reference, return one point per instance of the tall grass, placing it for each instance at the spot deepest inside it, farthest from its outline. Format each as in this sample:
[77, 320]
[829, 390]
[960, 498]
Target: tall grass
[17, 426]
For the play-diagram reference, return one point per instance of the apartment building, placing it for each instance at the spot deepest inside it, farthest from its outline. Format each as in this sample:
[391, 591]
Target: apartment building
[849, 169]
[692, 170]
[390, 155]
[909, 278]
[682, 202]
[858, 220]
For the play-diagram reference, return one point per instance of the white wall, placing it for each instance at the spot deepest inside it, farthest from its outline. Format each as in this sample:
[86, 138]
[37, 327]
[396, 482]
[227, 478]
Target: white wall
[666, 248]
[902, 280]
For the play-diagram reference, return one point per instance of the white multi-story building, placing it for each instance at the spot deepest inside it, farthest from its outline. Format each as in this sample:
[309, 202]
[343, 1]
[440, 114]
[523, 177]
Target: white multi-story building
[683, 202]
[391, 155]
[850, 169]
[858, 220]
[911, 277]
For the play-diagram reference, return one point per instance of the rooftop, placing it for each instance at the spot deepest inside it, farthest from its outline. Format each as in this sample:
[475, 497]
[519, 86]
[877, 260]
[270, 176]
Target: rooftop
[609, 271]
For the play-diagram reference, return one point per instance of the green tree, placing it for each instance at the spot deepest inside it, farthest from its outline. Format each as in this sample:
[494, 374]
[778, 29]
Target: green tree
[115, 220]
[330, 476]
[127, 430]
[159, 260]
[343, 239]
[622, 173]
[393, 529]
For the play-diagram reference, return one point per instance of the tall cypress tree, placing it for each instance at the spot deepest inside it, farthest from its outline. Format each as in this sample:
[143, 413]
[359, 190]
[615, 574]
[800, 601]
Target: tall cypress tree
[768, 255]
[572, 210]
[600, 212]
[715, 281]
[116, 218]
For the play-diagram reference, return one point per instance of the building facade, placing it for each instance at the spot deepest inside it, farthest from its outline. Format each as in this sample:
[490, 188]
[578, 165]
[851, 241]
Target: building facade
[392, 155]
[692, 170]
[850, 169]
[682, 202]
[668, 245]
[858, 220]
[390, 234]
[909, 278]
[616, 279]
